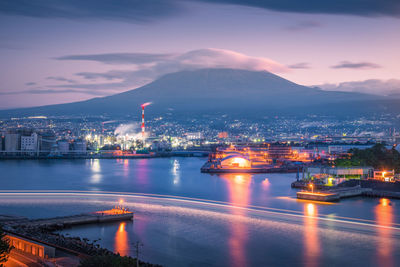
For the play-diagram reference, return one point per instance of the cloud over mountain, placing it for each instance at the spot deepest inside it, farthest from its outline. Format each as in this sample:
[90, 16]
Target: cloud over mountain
[372, 86]
[146, 67]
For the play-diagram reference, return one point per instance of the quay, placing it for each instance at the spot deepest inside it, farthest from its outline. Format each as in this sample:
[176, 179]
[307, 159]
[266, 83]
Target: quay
[334, 194]
[379, 193]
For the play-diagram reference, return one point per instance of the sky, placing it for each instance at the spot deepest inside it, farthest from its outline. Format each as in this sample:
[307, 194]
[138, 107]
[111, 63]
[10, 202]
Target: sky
[58, 51]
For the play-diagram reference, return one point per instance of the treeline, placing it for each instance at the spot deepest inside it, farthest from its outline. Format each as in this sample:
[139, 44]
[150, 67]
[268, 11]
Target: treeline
[377, 156]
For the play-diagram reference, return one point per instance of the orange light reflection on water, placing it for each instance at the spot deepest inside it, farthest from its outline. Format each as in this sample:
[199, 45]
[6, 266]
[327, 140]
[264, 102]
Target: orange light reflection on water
[311, 240]
[384, 217]
[121, 240]
[239, 194]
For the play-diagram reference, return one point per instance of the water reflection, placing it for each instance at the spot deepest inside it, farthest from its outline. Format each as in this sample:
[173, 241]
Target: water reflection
[239, 194]
[96, 171]
[265, 183]
[311, 240]
[384, 217]
[176, 172]
[121, 244]
[142, 170]
[126, 167]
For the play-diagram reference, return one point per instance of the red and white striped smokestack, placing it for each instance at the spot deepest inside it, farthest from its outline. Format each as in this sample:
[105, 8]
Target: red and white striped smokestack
[143, 127]
[143, 121]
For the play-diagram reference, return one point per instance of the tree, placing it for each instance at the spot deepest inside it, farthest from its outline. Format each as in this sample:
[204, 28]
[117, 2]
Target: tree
[5, 247]
[377, 156]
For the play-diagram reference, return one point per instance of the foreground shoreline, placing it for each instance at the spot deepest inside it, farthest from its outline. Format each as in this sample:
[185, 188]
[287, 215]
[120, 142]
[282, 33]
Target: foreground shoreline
[39, 240]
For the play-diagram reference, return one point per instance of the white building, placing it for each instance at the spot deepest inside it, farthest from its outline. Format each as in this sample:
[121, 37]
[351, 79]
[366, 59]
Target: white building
[29, 143]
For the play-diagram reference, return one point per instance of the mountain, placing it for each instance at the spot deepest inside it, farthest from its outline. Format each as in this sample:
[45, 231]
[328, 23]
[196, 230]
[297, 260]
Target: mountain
[204, 91]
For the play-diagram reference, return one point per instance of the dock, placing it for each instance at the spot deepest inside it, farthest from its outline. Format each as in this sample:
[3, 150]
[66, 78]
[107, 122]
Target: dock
[334, 194]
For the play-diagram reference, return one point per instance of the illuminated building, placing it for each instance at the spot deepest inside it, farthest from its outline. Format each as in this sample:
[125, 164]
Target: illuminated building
[235, 161]
[335, 175]
[263, 155]
[31, 247]
[222, 135]
[387, 176]
[341, 172]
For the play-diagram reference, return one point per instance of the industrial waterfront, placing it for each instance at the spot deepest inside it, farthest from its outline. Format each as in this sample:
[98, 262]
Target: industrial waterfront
[184, 217]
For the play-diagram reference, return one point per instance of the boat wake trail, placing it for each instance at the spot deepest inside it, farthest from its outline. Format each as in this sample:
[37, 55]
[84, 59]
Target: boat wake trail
[258, 212]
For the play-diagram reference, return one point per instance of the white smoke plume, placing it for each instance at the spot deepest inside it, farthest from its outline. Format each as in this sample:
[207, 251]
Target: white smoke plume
[131, 129]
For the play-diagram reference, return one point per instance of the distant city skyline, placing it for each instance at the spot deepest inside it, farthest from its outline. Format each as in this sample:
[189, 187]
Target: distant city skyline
[64, 51]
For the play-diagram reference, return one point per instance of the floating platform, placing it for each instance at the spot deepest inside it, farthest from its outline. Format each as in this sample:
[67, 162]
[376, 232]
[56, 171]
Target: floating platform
[316, 196]
[334, 195]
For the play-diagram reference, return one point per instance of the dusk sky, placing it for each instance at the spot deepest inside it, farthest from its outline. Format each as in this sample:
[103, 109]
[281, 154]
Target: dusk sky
[56, 51]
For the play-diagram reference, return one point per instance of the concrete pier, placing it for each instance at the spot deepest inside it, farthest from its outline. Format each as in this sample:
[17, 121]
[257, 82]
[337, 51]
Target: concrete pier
[86, 218]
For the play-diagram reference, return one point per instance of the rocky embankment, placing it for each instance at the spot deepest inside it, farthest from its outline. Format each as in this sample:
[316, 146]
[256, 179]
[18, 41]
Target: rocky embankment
[47, 234]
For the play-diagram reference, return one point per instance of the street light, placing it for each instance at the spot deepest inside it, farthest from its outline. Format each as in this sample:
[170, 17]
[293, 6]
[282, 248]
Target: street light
[312, 187]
